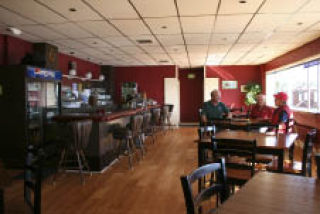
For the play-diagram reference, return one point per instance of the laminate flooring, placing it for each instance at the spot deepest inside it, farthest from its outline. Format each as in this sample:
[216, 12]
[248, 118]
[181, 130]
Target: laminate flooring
[152, 187]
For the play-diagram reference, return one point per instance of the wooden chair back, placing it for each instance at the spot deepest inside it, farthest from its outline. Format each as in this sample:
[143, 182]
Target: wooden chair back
[217, 187]
[232, 149]
[33, 179]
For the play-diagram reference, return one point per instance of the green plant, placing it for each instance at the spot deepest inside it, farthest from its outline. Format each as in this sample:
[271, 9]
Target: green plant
[252, 89]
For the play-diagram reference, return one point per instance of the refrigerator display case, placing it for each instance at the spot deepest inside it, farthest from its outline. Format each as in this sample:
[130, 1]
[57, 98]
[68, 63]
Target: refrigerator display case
[30, 98]
[129, 90]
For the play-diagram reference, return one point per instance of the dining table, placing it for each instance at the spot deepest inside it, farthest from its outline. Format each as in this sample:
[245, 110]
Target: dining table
[275, 193]
[270, 144]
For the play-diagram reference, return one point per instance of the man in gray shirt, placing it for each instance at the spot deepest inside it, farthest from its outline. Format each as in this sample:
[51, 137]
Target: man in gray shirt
[214, 109]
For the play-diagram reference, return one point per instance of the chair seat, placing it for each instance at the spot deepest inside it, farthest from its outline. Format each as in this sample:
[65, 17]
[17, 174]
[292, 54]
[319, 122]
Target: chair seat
[294, 167]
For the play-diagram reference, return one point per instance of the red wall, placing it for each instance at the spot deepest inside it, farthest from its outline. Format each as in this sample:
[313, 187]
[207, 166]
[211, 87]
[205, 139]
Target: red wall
[191, 94]
[12, 50]
[2, 48]
[149, 78]
[242, 73]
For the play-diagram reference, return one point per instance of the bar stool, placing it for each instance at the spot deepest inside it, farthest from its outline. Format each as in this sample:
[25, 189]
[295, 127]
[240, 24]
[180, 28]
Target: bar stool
[164, 117]
[147, 127]
[81, 134]
[124, 136]
[156, 119]
[137, 133]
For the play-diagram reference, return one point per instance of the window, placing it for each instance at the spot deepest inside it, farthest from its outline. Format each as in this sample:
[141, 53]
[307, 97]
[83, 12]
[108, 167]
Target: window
[300, 82]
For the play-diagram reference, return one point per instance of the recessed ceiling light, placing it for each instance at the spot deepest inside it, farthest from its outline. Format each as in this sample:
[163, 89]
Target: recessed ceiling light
[71, 53]
[14, 30]
[224, 39]
[88, 58]
[242, 1]
[164, 27]
[94, 43]
[72, 9]
[300, 23]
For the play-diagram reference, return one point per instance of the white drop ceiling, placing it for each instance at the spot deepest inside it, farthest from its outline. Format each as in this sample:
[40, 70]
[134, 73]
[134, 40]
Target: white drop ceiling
[187, 33]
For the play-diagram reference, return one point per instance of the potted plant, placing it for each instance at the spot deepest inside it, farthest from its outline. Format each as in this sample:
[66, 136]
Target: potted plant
[252, 89]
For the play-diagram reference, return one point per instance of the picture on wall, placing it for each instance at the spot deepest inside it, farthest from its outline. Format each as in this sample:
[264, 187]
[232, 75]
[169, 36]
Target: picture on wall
[229, 84]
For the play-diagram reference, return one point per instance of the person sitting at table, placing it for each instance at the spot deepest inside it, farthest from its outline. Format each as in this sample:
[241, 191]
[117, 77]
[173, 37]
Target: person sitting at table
[214, 109]
[260, 110]
[282, 113]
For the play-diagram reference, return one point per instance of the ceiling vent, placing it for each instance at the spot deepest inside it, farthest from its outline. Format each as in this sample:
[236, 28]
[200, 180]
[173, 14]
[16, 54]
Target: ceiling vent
[163, 61]
[144, 41]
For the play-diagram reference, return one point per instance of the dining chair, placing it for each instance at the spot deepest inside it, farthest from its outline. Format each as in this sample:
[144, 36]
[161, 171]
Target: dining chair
[215, 186]
[235, 152]
[33, 179]
[147, 126]
[296, 167]
[317, 157]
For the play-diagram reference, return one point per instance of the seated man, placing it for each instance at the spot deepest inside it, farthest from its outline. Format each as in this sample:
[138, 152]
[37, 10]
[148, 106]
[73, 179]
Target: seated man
[260, 110]
[282, 113]
[214, 109]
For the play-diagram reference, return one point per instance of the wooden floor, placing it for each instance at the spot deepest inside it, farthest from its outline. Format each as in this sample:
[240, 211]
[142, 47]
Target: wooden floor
[152, 187]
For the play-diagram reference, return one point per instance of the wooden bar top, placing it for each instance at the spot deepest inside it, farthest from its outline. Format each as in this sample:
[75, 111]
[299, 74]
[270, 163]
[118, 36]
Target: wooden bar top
[279, 141]
[275, 193]
[69, 117]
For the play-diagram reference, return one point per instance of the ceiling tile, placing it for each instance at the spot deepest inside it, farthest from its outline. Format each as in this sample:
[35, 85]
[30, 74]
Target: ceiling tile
[118, 41]
[168, 25]
[280, 37]
[42, 32]
[132, 50]
[267, 22]
[197, 24]
[299, 22]
[223, 38]
[219, 49]
[252, 38]
[110, 51]
[231, 23]
[154, 49]
[197, 48]
[131, 27]
[99, 28]
[242, 47]
[179, 56]
[94, 42]
[92, 51]
[70, 29]
[167, 40]
[176, 49]
[197, 39]
[155, 8]
[234, 7]
[33, 11]
[311, 6]
[83, 12]
[72, 43]
[283, 6]
[201, 7]
[305, 37]
[29, 37]
[111, 9]
[10, 18]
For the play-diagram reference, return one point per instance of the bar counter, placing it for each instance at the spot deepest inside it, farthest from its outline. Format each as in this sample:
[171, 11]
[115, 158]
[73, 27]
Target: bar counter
[102, 149]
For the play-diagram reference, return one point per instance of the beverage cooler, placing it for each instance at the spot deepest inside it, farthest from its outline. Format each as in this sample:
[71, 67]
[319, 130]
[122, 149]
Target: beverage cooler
[29, 98]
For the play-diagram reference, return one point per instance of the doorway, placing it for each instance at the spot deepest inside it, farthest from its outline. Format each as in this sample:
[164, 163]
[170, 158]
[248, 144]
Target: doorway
[191, 94]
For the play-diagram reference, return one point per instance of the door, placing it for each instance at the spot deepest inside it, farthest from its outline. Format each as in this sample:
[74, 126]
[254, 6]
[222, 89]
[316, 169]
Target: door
[191, 94]
[172, 96]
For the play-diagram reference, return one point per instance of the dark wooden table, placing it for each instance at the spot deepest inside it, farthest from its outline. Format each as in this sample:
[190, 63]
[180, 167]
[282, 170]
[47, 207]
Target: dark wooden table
[275, 193]
[266, 144]
[241, 124]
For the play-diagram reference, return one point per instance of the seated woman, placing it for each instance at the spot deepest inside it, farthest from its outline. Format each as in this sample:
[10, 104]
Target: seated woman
[282, 113]
[260, 110]
[214, 109]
